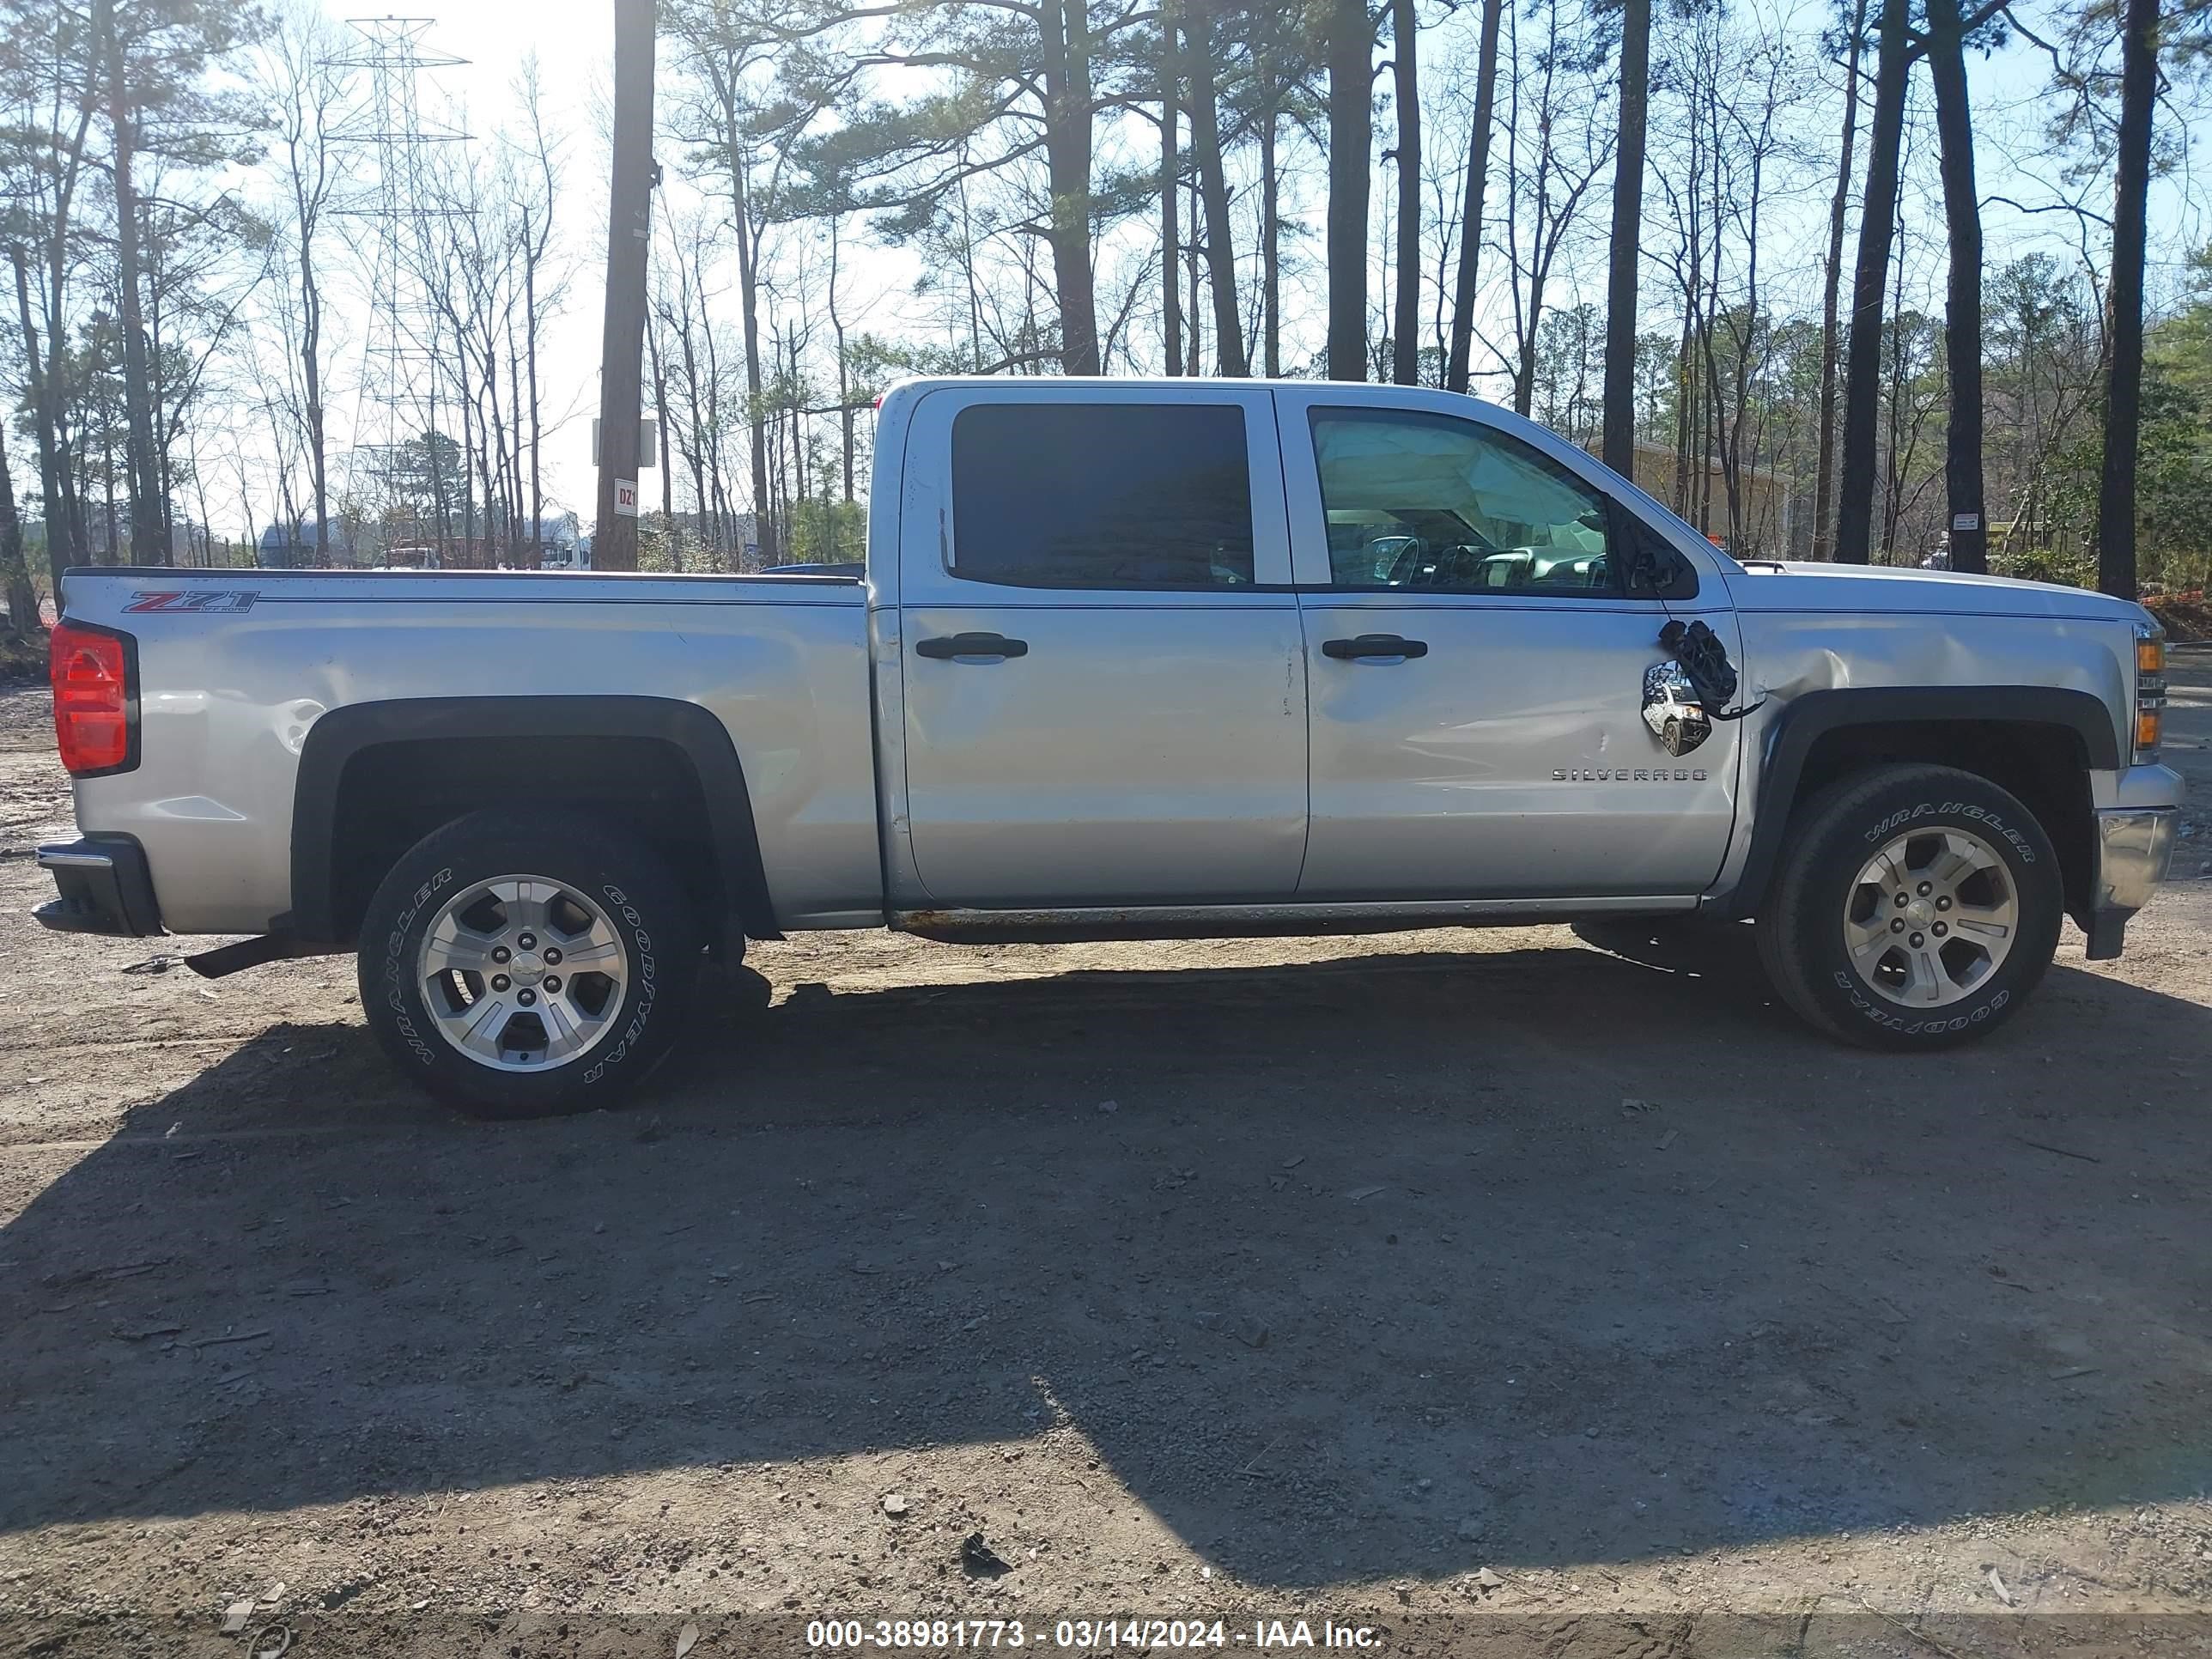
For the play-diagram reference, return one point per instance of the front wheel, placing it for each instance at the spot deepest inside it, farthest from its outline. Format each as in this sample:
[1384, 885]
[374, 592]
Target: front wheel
[1917, 907]
[524, 965]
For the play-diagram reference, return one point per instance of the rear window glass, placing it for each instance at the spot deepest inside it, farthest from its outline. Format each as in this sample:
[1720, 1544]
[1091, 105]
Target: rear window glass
[1111, 496]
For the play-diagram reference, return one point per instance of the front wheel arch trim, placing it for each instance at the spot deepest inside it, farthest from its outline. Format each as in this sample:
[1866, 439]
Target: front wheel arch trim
[1813, 716]
[339, 736]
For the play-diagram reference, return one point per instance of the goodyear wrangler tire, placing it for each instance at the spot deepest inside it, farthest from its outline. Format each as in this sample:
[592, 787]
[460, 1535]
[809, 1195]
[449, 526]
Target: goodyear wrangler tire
[1916, 907]
[525, 964]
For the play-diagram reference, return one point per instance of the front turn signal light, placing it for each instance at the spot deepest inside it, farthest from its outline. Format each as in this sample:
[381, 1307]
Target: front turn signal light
[2150, 689]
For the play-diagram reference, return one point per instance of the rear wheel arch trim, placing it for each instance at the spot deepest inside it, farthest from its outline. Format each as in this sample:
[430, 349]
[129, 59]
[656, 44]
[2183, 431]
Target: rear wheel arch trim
[337, 737]
[1816, 714]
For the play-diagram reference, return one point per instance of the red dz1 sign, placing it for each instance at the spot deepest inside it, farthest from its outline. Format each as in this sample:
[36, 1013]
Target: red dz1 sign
[626, 498]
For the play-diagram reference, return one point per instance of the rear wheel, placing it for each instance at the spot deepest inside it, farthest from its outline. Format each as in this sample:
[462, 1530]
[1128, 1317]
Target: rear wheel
[1917, 907]
[523, 965]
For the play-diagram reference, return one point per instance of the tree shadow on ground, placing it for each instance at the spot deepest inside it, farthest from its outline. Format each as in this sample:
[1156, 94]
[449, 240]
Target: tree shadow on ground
[1394, 1264]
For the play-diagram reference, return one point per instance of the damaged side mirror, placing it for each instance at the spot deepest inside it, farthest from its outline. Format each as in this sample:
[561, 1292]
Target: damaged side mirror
[1657, 571]
[1650, 567]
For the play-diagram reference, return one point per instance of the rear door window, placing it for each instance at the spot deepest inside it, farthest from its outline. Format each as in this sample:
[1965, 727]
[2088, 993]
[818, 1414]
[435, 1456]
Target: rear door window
[1116, 496]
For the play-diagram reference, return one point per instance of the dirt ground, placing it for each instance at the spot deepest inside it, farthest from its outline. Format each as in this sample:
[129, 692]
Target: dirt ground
[1493, 1291]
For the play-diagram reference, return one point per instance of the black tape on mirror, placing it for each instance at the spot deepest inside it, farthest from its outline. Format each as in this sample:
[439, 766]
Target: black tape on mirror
[1704, 659]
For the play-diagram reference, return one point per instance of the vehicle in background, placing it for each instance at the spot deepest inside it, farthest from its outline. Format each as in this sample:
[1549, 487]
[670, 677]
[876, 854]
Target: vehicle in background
[1672, 712]
[1128, 659]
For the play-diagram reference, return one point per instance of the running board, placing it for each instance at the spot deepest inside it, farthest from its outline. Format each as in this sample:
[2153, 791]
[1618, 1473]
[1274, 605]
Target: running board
[252, 953]
[1188, 921]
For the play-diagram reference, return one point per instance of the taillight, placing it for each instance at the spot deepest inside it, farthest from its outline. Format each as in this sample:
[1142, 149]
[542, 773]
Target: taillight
[95, 699]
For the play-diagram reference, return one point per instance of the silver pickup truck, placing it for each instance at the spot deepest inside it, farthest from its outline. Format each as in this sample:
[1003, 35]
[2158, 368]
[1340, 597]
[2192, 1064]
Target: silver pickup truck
[1128, 659]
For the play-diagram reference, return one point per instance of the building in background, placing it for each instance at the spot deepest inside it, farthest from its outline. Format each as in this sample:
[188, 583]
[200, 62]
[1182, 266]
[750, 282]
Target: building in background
[555, 543]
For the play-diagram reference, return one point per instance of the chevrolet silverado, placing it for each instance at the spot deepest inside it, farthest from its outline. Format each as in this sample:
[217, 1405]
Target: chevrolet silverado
[1126, 659]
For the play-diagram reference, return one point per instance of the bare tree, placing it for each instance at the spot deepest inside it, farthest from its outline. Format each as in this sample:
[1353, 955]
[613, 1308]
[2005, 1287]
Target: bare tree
[46, 161]
[1556, 148]
[2115, 493]
[1620, 443]
[146, 542]
[1170, 187]
[1962, 333]
[539, 154]
[1213, 190]
[1877, 231]
[1350, 34]
[14, 576]
[748, 132]
[1405, 316]
[1824, 485]
[306, 98]
[1478, 177]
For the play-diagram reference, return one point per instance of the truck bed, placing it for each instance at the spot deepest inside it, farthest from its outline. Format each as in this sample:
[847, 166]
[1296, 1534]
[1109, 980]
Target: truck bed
[241, 665]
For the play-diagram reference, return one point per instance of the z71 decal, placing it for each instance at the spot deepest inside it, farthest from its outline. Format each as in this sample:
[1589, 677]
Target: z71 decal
[211, 601]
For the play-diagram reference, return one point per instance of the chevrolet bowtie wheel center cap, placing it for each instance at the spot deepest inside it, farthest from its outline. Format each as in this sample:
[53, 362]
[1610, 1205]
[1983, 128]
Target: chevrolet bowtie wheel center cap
[523, 973]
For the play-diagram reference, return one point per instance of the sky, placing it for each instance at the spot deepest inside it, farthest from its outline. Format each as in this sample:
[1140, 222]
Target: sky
[573, 43]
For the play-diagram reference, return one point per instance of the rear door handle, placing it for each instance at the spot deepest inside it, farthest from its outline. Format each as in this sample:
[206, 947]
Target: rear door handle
[971, 647]
[1373, 647]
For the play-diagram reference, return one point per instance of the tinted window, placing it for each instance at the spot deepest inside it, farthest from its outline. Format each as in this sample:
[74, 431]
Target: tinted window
[1102, 496]
[1430, 502]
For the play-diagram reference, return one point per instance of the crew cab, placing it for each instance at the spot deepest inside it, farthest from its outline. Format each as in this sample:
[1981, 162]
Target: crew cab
[1126, 659]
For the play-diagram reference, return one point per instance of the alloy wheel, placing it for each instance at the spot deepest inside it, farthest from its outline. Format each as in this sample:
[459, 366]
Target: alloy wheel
[522, 973]
[1930, 917]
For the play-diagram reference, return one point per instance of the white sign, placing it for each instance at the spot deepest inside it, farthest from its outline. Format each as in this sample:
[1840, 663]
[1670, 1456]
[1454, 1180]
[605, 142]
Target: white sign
[648, 443]
[1965, 522]
[625, 498]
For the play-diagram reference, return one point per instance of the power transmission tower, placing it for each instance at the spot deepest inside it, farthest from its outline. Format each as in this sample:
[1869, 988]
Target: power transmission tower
[401, 378]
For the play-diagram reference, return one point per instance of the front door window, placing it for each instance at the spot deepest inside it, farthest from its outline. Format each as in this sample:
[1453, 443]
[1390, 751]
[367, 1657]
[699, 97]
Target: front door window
[1428, 501]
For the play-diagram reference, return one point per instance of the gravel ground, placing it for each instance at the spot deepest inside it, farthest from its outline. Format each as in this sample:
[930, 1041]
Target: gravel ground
[1504, 1291]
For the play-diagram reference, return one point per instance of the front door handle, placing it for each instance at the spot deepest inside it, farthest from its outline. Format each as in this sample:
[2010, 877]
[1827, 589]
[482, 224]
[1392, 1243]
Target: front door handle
[1374, 647]
[971, 647]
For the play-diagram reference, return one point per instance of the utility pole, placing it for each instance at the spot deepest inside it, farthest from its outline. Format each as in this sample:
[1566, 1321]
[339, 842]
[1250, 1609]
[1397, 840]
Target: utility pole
[2116, 494]
[1619, 417]
[622, 350]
